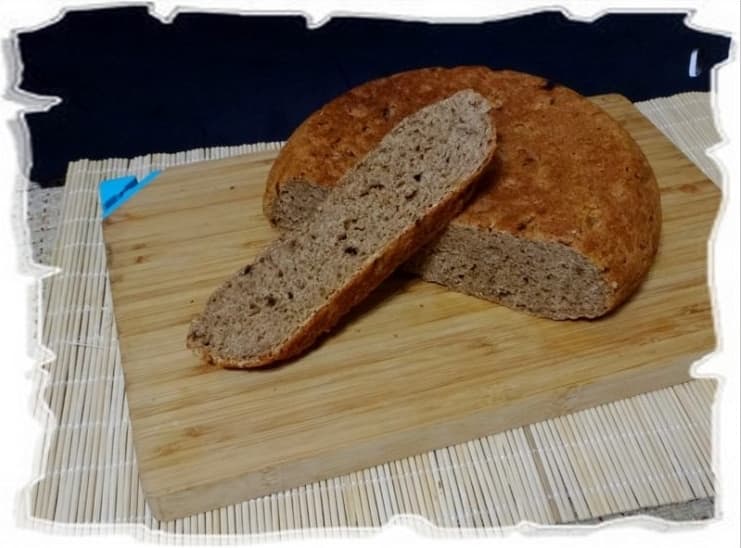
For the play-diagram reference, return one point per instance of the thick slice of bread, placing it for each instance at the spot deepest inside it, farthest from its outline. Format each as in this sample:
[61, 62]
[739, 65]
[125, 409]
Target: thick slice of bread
[566, 224]
[396, 199]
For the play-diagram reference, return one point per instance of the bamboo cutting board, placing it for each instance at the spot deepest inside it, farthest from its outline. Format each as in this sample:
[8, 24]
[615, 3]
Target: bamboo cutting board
[416, 367]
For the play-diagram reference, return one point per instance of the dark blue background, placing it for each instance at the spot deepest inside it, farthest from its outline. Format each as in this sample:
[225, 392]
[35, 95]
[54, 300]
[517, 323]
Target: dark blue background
[131, 85]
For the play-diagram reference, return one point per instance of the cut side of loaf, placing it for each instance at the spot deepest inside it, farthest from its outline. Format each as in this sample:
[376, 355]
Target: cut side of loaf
[393, 202]
[565, 225]
[543, 278]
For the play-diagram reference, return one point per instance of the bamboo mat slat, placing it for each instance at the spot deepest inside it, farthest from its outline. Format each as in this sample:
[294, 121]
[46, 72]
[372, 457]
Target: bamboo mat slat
[623, 457]
[687, 120]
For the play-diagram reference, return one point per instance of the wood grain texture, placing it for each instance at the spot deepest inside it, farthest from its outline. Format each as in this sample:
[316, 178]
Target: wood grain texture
[415, 368]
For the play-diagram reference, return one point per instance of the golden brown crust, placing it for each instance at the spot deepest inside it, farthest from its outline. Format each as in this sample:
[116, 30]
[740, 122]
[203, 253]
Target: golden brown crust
[564, 170]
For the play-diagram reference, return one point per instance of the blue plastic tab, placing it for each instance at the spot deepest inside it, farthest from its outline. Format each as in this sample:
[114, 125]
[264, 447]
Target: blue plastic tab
[114, 193]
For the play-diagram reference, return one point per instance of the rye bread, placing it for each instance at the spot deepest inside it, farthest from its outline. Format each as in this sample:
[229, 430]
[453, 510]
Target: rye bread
[566, 224]
[394, 200]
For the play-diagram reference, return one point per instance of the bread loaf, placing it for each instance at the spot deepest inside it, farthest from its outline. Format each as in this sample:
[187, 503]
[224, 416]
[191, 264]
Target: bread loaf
[394, 200]
[566, 224]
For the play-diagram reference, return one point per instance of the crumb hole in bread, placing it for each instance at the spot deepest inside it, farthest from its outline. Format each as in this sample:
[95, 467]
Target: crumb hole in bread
[418, 177]
[351, 250]
[369, 188]
[270, 300]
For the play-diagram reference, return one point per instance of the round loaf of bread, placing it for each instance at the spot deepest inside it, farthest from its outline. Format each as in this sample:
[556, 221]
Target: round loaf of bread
[567, 219]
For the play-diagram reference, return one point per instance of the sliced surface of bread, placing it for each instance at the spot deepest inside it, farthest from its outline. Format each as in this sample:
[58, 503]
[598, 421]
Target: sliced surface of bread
[565, 225]
[393, 201]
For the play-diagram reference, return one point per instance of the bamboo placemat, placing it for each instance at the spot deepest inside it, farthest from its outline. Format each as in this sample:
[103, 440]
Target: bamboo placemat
[629, 456]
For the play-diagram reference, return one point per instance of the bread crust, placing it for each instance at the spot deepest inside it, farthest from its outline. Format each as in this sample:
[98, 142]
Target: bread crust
[564, 170]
